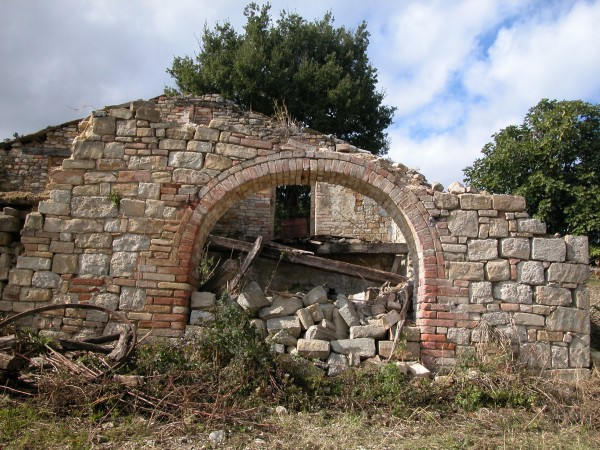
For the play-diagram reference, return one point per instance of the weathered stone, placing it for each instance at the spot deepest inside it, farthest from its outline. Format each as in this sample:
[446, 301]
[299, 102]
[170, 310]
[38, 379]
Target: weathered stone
[553, 296]
[341, 327]
[33, 221]
[64, 263]
[498, 228]
[21, 277]
[510, 292]
[314, 349]
[579, 351]
[496, 318]
[198, 146]
[206, 134]
[93, 264]
[280, 307]
[260, 326]
[548, 249]
[149, 190]
[418, 370]
[577, 249]
[103, 125]
[126, 128]
[198, 316]
[58, 209]
[475, 201]
[9, 224]
[463, 223]
[93, 207]
[471, 271]
[568, 273]
[203, 300]
[582, 297]
[149, 114]
[35, 295]
[252, 298]
[482, 249]
[88, 149]
[33, 262]
[531, 272]
[363, 347]
[305, 317]
[536, 355]
[320, 332]
[217, 162]
[528, 319]
[189, 160]
[348, 313]
[131, 243]
[172, 144]
[130, 207]
[93, 240]
[480, 292]
[368, 331]
[316, 295]
[284, 338]
[235, 151]
[460, 336]
[532, 226]
[337, 364]
[568, 319]
[515, 248]
[190, 176]
[315, 312]
[503, 202]
[497, 270]
[456, 188]
[122, 264]
[560, 357]
[132, 299]
[291, 324]
[445, 201]
[121, 113]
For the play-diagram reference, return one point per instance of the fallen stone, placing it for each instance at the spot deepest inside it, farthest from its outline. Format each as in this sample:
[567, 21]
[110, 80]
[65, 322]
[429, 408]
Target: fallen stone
[341, 327]
[261, 327]
[203, 300]
[349, 315]
[252, 298]
[320, 333]
[290, 324]
[418, 370]
[337, 364]
[198, 317]
[315, 312]
[316, 295]
[281, 307]
[305, 317]
[363, 347]
[314, 349]
[368, 331]
[284, 338]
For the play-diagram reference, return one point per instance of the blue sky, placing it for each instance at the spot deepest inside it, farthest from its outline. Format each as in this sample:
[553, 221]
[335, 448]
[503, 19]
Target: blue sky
[458, 71]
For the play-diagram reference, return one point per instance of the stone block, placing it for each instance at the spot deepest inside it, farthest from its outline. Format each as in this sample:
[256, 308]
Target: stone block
[548, 249]
[482, 249]
[568, 273]
[284, 338]
[114, 150]
[337, 364]
[121, 113]
[475, 201]
[58, 209]
[528, 319]
[579, 352]
[64, 263]
[349, 314]
[582, 297]
[510, 292]
[496, 318]
[577, 249]
[280, 307]
[315, 312]
[92, 240]
[103, 125]
[515, 248]
[252, 298]
[34, 263]
[536, 355]
[445, 201]
[197, 316]
[131, 243]
[568, 319]
[235, 151]
[217, 162]
[203, 300]
[463, 223]
[480, 292]
[172, 144]
[129, 207]
[93, 207]
[460, 336]
[199, 146]
[20, 277]
[126, 128]
[313, 349]
[530, 272]
[46, 279]
[503, 202]
[305, 317]
[368, 331]
[418, 370]
[553, 296]
[470, 271]
[320, 332]
[149, 114]
[35, 295]
[149, 190]
[34, 221]
[291, 324]
[498, 228]
[315, 295]
[88, 149]
[362, 347]
[532, 226]
[497, 270]
[9, 224]
[560, 357]
[190, 176]
[188, 160]
[260, 326]
[122, 264]
[93, 264]
[206, 134]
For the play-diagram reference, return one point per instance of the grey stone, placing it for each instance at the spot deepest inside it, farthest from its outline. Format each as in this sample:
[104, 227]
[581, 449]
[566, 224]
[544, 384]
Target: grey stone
[316, 312]
[460, 336]
[553, 296]
[252, 298]
[284, 338]
[482, 249]
[348, 313]
[93, 207]
[122, 264]
[197, 316]
[363, 347]
[190, 176]
[188, 160]
[314, 348]
[33, 221]
[341, 327]
[121, 113]
[316, 295]
[480, 292]
[58, 209]
[198, 146]
[35, 295]
[497, 270]
[470, 271]
[463, 223]
[235, 151]
[568, 319]
[560, 357]
[260, 325]
[320, 332]
[93, 240]
[515, 248]
[536, 355]
[280, 307]
[103, 125]
[34, 263]
[129, 207]
[305, 317]
[532, 226]
[582, 297]
[93, 264]
[203, 300]
[21, 277]
[149, 114]
[445, 201]
[475, 201]
[418, 370]
[126, 128]
[568, 273]
[531, 272]
[577, 249]
[290, 324]
[511, 292]
[88, 149]
[503, 202]
[114, 150]
[496, 318]
[528, 319]
[149, 190]
[131, 243]
[206, 134]
[498, 228]
[172, 144]
[337, 364]
[368, 331]
[132, 299]
[548, 249]
[9, 224]
[579, 351]
[456, 188]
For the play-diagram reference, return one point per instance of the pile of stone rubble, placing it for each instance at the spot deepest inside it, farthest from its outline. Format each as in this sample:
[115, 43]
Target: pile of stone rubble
[339, 332]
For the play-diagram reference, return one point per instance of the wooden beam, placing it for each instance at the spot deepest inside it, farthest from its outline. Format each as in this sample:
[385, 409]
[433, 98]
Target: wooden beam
[281, 252]
[246, 264]
[393, 248]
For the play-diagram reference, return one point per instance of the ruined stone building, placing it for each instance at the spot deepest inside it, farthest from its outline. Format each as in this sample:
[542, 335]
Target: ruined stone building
[123, 203]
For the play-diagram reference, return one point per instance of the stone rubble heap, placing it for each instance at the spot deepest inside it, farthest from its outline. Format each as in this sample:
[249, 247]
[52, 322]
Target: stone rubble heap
[341, 332]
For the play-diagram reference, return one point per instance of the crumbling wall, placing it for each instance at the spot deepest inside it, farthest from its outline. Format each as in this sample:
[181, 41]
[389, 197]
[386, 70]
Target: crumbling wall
[251, 217]
[130, 210]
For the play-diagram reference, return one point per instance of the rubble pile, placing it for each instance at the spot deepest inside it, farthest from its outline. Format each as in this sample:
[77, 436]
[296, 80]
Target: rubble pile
[341, 332]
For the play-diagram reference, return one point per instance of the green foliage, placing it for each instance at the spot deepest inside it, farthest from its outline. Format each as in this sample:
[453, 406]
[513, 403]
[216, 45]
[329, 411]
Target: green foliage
[321, 73]
[553, 160]
[115, 198]
[206, 267]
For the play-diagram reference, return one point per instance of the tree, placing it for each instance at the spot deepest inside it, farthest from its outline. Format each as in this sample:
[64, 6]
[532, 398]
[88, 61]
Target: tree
[553, 160]
[319, 72]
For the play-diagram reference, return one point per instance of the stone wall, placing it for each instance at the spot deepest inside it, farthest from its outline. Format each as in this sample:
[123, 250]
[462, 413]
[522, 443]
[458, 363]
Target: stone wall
[251, 217]
[130, 210]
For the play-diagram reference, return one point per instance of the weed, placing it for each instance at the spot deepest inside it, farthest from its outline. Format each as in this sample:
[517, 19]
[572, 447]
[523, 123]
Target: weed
[115, 198]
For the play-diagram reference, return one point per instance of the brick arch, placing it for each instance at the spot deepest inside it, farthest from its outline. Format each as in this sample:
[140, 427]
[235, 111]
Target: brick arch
[307, 167]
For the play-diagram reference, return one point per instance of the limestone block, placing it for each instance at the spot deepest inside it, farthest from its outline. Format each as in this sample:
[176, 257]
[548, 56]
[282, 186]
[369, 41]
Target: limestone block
[553, 296]
[498, 228]
[34, 263]
[235, 151]
[456, 188]
[463, 223]
[348, 313]
[260, 326]
[252, 298]
[280, 307]
[418, 370]
[149, 190]
[362, 347]
[531, 272]
[536, 355]
[122, 264]
[132, 299]
[579, 351]
[577, 249]
[114, 150]
[510, 292]
[582, 297]
[497, 270]
[284, 338]
[496, 318]
[475, 201]
[33, 221]
[49, 207]
[305, 317]
[93, 264]
[320, 332]
[206, 134]
[368, 331]
[482, 249]
[445, 201]
[126, 128]
[131, 243]
[60, 196]
[88, 149]
[198, 316]
[568, 319]
[480, 292]
[20, 277]
[532, 226]
[508, 202]
[217, 162]
[291, 324]
[199, 146]
[203, 300]
[315, 312]
[560, 357]
[315, 295]
[313, 349]
[46, 279]
[149, 114]
[528, 319]
[35, 295]
[190, 176]
[188, 160]
[515, 248]
[9, 224]
[64, 263]
[172, 144]
[121, 113]
[337, 364]
[568, 273]
[460, 336]
[103, 125]
[92, 240]
[93, 207]
[548, 249]
[471, 271]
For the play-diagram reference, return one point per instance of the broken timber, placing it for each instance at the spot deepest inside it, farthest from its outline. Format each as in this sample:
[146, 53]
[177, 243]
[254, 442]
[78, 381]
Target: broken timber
[278, 251]
[329, 248]
[247, 262]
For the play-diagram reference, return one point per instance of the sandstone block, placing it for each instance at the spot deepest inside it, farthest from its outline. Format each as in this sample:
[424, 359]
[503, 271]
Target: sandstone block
[320, 332]
[508, 202]
[252, 298]
[568, 319]
[363, 347]
[122, 264]
[188, 160]
[197, 316]
[93, 207]
[103, 125]
[217, 162]
[445, 201]
[536, 355]
[497, 270]
[531, 272]
[92, 240]
[34, 263]
[471, 271]
[121, 113]
[46, 279]
[291, 324]
[368, 331]
[35, 295]
[515, 248]
[235, 151]
[20, 277]
[528, 319]
[114, 150]
[63, 176]
[129, 207]
[199, 146]
[316, 312]
[532, 226]
[316, 295]
[482, 249]
[280, 307]
[510, 292]
[475, 201]
[88, 149]
[149, 114]
[313, 349]
[463, 223]
[577, 249]
[203, 300]
[49, 207]
[63, 263]
[206, 134]
[568, 273]
[548, 249]
[127, 128]
[480, 292]
[190, 176]
[93, 264]
[553, 296]
[498, 228]
[284, 338]
[9, 224]
[131, 243]
[305, 317]
[172, 144]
